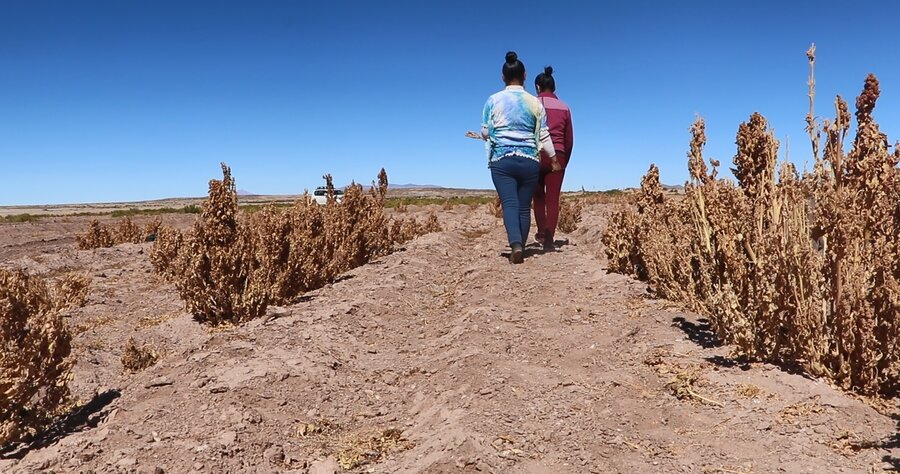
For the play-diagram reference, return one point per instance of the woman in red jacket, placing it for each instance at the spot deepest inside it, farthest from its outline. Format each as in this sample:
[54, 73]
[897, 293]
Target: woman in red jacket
[546, 197]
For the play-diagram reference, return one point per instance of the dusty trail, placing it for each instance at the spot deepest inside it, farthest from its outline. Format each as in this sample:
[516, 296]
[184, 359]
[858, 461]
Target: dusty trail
[450, 360]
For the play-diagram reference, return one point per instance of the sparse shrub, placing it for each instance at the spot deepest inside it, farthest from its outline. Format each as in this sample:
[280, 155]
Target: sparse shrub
[432, 224]
[137, 358]
[365, 448]
[788, 269]
[151, 228]
[97, 236]
[124, 231]
[569, 214]
[358, 228]
[19, 218]
[447, 206]
[404, 230]
[70, 291]
[35, 346]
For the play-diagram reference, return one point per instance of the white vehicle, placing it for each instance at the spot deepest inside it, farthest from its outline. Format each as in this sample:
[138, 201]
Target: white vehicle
[320, 195]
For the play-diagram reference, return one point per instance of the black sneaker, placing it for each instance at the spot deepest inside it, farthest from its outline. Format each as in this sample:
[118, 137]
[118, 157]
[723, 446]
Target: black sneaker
[549, 245]
[517, 255]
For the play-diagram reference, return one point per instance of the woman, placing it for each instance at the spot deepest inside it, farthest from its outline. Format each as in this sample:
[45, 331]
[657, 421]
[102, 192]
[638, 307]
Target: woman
[514, 127]
[546, 197]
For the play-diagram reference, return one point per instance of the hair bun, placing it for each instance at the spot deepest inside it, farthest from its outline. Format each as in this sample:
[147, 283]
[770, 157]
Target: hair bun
[548, 70]
[511, 57]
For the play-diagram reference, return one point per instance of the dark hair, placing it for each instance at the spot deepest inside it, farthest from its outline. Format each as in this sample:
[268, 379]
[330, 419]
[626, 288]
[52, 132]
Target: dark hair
[545, 81]
[513, 69]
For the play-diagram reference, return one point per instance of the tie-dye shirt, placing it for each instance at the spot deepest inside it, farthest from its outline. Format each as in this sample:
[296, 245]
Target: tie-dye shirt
[515, 123]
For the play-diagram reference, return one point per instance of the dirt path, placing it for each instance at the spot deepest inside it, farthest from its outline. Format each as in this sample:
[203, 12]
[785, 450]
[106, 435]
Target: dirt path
[441, 358]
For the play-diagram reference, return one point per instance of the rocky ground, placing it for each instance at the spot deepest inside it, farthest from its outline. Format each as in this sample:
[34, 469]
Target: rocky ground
[439, 358]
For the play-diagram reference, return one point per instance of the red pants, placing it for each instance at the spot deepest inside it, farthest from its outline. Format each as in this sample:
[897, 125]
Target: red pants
[546, 198]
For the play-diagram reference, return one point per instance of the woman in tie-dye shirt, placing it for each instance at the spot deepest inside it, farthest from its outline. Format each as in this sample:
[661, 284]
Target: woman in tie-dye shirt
[514, 127]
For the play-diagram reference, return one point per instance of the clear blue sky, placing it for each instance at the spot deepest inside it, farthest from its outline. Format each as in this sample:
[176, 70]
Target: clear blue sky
[127, 100]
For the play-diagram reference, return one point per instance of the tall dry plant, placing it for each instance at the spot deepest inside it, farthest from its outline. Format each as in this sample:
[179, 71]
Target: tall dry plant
[857, 214]
[219, 278]
[569, 214]
[307, 246]
[229, 267]
[164, 255]
[35, 347]
[496, 207]
[801, 270]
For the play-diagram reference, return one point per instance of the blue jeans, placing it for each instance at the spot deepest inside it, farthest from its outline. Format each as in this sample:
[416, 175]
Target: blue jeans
[515, 179]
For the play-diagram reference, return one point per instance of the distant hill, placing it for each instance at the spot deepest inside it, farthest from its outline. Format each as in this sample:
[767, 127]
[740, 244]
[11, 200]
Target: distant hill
[244, 192]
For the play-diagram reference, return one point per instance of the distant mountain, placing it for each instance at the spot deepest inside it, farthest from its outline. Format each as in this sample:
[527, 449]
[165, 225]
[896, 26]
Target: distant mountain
[401, 186]
[669, 187]
[415, 186]
[244, 192]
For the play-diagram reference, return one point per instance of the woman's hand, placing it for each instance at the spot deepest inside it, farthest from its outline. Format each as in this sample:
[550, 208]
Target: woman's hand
[474, 135]
[554, 165]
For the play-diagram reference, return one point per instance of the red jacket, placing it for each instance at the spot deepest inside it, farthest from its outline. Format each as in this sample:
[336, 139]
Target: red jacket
[559, 121]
